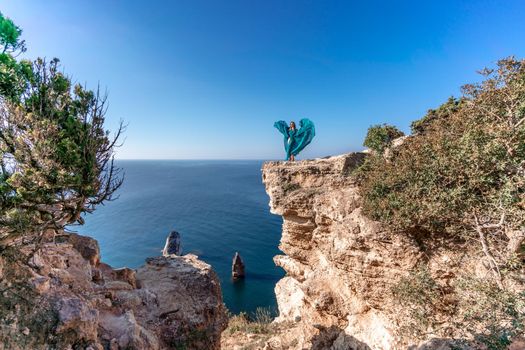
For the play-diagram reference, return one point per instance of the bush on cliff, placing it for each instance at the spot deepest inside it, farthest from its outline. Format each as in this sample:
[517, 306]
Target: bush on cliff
[56, 158]
[465, 174]
[436, 115]
[477, 311]
[379, 137]
[461, 176]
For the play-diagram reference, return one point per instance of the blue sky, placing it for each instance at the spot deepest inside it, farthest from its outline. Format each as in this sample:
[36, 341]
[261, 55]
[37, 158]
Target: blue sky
[207, 79]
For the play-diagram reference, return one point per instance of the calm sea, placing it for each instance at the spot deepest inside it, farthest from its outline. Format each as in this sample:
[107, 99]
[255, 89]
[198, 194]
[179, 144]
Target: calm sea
[219, 207]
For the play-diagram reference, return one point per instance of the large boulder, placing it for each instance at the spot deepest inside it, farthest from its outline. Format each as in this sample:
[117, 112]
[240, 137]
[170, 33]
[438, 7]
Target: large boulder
[86, 246]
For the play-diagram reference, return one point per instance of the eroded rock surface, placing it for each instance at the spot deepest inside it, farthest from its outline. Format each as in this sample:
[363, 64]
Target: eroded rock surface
[173, 245]
[60, 296]
[237, 266]
[339, 264]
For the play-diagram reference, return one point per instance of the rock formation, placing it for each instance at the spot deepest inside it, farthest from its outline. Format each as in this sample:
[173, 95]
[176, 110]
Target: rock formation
[339, 264]
[237, 266]
[172, 245]
[60, 296]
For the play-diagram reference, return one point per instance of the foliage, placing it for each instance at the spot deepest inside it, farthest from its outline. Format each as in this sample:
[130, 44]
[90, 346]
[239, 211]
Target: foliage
[461, 178]
[436, 115]
[56, 158]
[13, 74]
[480, 311]
[466, 171]
[418, 295]
[379, 137]
[495, 316]
[10, 36]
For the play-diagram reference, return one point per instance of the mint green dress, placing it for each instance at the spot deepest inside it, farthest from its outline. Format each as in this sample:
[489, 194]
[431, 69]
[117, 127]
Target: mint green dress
[296, 140]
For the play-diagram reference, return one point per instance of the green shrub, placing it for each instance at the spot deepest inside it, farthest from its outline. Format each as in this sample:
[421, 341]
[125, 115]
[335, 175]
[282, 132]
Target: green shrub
[494, 316]
[379, 137]
[472, 309]
[436, 115]
[417, 296]
[461, 179]
[465, 171]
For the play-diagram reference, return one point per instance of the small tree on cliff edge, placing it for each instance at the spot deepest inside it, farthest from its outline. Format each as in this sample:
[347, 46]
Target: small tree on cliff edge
[379, 137]
[56, 158]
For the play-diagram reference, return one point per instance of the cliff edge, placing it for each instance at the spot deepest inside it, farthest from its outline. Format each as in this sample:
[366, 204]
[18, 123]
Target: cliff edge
[341, 267]
[337, 262]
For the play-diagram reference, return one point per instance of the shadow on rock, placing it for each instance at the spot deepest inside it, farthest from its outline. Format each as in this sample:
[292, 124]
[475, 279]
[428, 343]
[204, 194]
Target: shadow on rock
[334, 338]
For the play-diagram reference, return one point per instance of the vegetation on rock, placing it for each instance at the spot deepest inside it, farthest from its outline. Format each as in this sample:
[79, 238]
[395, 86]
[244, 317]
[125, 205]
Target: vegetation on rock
[461, 177]
[433, 115]
[379, 137]
[477, 311]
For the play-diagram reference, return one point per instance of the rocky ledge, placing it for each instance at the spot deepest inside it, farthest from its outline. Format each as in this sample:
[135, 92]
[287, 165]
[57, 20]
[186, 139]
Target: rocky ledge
[60, 296]
[339, 264]
[336, 261]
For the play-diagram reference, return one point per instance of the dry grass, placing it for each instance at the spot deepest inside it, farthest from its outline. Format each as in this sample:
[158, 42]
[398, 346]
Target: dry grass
[252, 332]
[259, 323]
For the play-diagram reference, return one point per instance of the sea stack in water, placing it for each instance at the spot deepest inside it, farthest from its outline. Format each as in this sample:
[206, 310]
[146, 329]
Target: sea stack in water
[237, 267]
[172, 246]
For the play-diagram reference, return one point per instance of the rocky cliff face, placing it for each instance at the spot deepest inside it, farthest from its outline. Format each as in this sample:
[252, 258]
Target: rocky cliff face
[60, 296]
[339, 264]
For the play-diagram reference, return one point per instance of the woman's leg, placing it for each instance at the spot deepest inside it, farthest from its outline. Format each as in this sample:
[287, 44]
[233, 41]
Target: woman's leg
[292, 157]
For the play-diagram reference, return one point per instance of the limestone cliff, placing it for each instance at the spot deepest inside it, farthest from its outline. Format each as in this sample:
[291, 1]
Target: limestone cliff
[60, 296]
[339, 264]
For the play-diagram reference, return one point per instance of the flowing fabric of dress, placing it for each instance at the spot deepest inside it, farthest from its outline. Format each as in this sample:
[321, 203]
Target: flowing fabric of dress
[296, 140]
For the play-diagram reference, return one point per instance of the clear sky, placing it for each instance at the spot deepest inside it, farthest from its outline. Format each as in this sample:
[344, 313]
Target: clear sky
[207, 79]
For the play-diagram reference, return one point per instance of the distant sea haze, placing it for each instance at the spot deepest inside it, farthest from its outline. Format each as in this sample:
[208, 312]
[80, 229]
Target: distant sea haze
[218, 206]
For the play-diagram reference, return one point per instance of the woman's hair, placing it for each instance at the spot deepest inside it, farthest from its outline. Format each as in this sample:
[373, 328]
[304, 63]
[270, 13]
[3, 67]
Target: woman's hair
[292, 122]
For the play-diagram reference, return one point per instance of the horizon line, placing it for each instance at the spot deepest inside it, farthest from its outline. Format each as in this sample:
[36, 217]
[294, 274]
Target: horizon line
[240, 159]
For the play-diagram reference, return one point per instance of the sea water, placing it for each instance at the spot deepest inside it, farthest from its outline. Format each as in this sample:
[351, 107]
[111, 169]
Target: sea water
[218, 207]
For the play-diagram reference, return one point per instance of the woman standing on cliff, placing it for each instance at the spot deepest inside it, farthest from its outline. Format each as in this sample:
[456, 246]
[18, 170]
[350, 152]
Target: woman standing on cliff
[296, 140]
